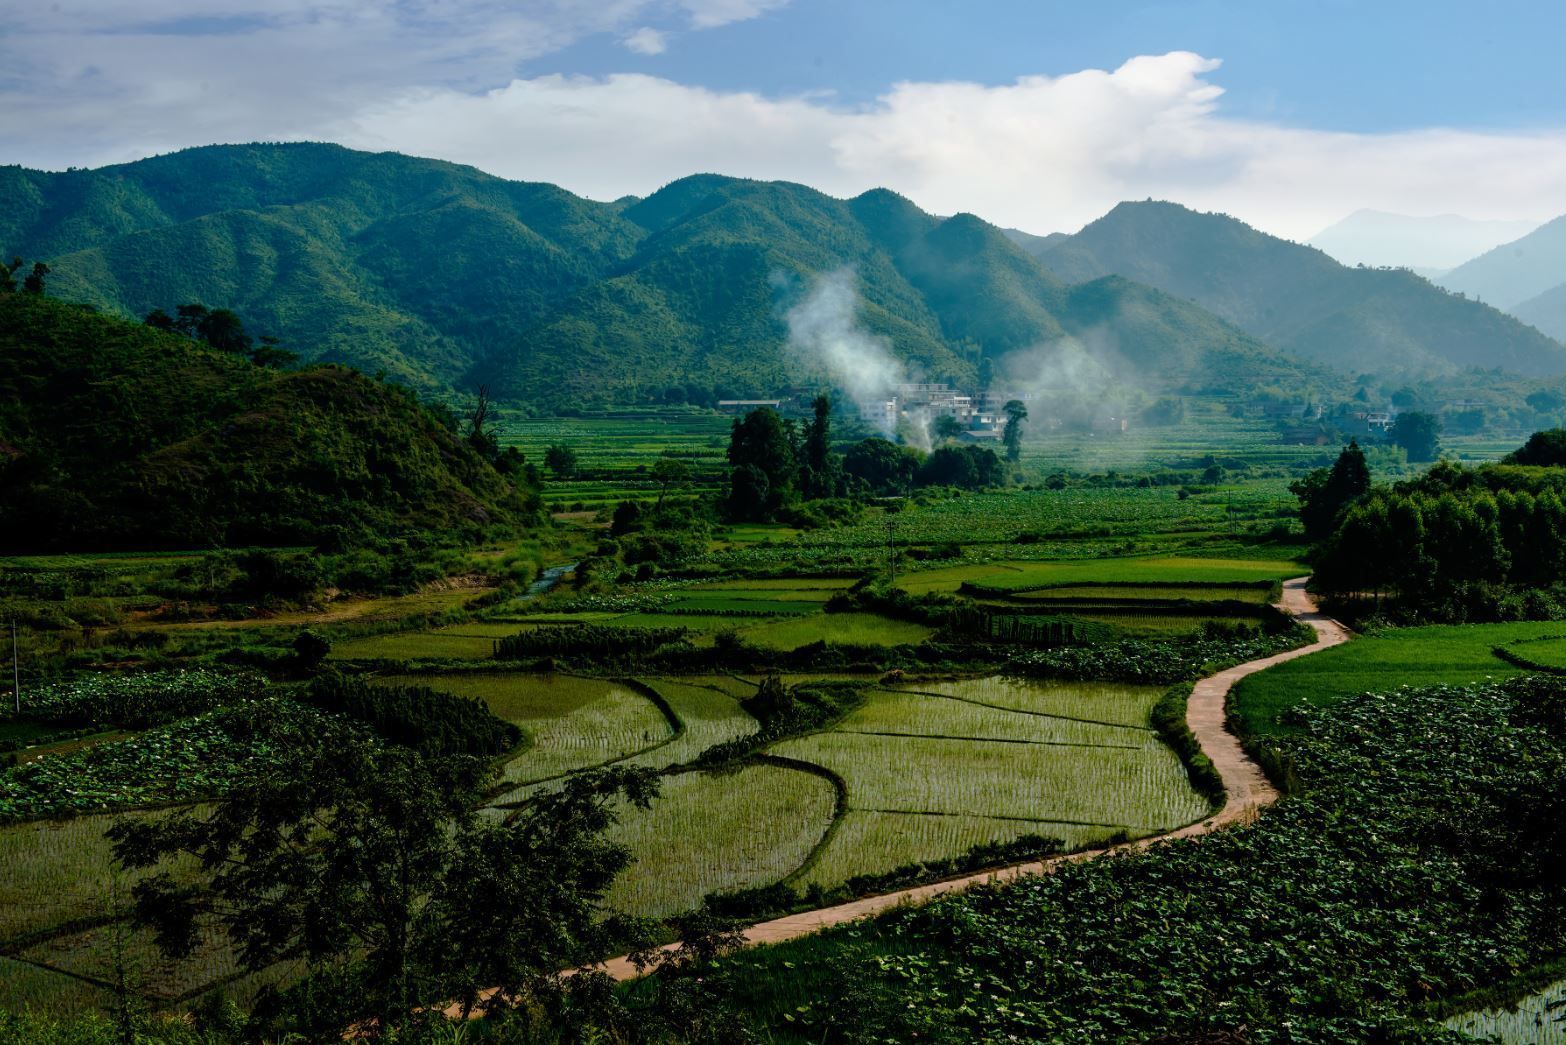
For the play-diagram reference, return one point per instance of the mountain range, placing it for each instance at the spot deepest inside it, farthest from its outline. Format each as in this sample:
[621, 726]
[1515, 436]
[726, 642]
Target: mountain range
[1526, 277]
[1427, 244]
[441, 276]
[1297, 299]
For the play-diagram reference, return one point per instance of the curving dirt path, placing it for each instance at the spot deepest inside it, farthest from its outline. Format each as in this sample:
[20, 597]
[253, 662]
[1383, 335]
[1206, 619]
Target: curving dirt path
[1247, 786]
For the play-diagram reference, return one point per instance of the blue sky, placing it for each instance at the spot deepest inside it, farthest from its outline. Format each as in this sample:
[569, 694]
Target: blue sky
[1038, 115]
[1371, 65]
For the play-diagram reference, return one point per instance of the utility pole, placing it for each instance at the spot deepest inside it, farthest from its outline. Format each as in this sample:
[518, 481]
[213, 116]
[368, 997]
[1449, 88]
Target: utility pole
[16, 671]
[891, 547]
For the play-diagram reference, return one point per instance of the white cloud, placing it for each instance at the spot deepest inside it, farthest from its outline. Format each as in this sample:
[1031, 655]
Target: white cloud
[1042, 153]
[647, 40]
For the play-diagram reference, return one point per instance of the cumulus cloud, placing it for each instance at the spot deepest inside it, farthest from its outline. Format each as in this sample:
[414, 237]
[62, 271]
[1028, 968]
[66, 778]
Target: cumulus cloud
[647, 40]
[1042, 153]
[438, 78]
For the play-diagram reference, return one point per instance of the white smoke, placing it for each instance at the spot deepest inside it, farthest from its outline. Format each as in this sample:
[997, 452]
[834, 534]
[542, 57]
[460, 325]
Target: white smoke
[824, 333]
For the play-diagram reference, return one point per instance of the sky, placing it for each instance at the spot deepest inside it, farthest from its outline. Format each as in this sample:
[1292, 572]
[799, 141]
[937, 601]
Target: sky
[1035, 115]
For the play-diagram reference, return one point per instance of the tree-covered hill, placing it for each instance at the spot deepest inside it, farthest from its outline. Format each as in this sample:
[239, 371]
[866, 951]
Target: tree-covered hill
[1296, 298]
[116, 435]
[443, 276]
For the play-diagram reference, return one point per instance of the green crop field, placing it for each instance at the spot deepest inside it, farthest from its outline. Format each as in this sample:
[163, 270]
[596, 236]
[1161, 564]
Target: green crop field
[1146, 592]
[1547, 651]
[1397, 657]
[1536, 1020]
[1153, 570]
[1099, 702]
[936, 770]
[573, 723]
[28, 987]
[842, 629]
[472, 641]
[710, 716]
[719, 831]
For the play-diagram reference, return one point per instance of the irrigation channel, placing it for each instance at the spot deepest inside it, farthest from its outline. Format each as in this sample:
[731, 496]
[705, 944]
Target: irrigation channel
[1247, 787]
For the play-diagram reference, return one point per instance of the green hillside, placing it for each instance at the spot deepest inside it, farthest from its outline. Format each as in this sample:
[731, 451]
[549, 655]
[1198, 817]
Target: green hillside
[1515, 272]
[1547, 312]
[1299, 300]
[442, 276]
[115, 435]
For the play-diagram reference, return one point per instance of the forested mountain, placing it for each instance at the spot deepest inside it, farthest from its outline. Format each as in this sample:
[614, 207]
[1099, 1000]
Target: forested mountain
[1299, 300]
[113, 434]
[441, 275]
[1515, 272]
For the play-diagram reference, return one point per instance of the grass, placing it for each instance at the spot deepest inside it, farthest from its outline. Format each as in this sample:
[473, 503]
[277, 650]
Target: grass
[1383, 661]
[573, 723]
[1547, 651]
[1133, 624]
[1156, 569]
[842, 629]
[719, 831]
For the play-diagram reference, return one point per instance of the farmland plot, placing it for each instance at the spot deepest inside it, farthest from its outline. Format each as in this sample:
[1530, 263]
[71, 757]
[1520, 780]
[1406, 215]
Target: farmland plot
[28, 987]
[472, 641]
[719, 831]
[842, 629]
[1536, 1020]
[710, 716]
[574, 723]
[1111, 702]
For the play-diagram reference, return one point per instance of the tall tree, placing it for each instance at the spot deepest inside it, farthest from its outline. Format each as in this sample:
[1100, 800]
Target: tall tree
[34, 283]
[761, 441]
[1419, 433]
[1016, 413]
[821, 472]
[1325, 493]
[561, 461]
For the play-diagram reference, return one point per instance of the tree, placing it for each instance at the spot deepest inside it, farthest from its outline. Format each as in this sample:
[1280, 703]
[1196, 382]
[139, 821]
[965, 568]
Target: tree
[158, 319]
[1324, 493]
[269, 354]
[561, 461]
[370, 866]
[820, 473]
[947, 428]
[480, 438]
[1419, 433]
[970, 467]
[762, 441]
[1546, 449]
[34, 283]
[1545, 401]
[882, 465]
[8, 275]
[1016, 413]
[669, 473]
[223, 330]
[750, 494]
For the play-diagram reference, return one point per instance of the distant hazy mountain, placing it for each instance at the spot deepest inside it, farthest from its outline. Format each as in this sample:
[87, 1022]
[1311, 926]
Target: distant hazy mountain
[1298, 299]
[1547, 312]
[1428, 245]
[1515, 272]
[444, 276]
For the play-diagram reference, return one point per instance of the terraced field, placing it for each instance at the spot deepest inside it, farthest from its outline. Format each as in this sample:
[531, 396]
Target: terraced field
[572, 723]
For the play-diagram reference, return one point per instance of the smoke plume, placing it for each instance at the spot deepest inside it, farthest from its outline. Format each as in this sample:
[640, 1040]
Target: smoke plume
[824, 333]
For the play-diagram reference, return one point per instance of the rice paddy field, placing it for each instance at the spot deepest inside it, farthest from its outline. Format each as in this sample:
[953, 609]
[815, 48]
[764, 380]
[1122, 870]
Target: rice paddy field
[1539, 1019]
[1154, 572]
[735, 829]
[571, 723]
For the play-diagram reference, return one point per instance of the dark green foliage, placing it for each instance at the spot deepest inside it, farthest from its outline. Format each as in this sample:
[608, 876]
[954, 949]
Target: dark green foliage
[1545, 449]
[785, 711]
[884, 467]
[561, 461]
[1136, 660]
[1419, 433]
[1016, 414]
[119, 435]
[1169, 718]
[1422, 860]
[1455, 544]
[765, 466]
[432, 722]
[820, 470]
[968, 467]
[1325, 493]
[1298, 299]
